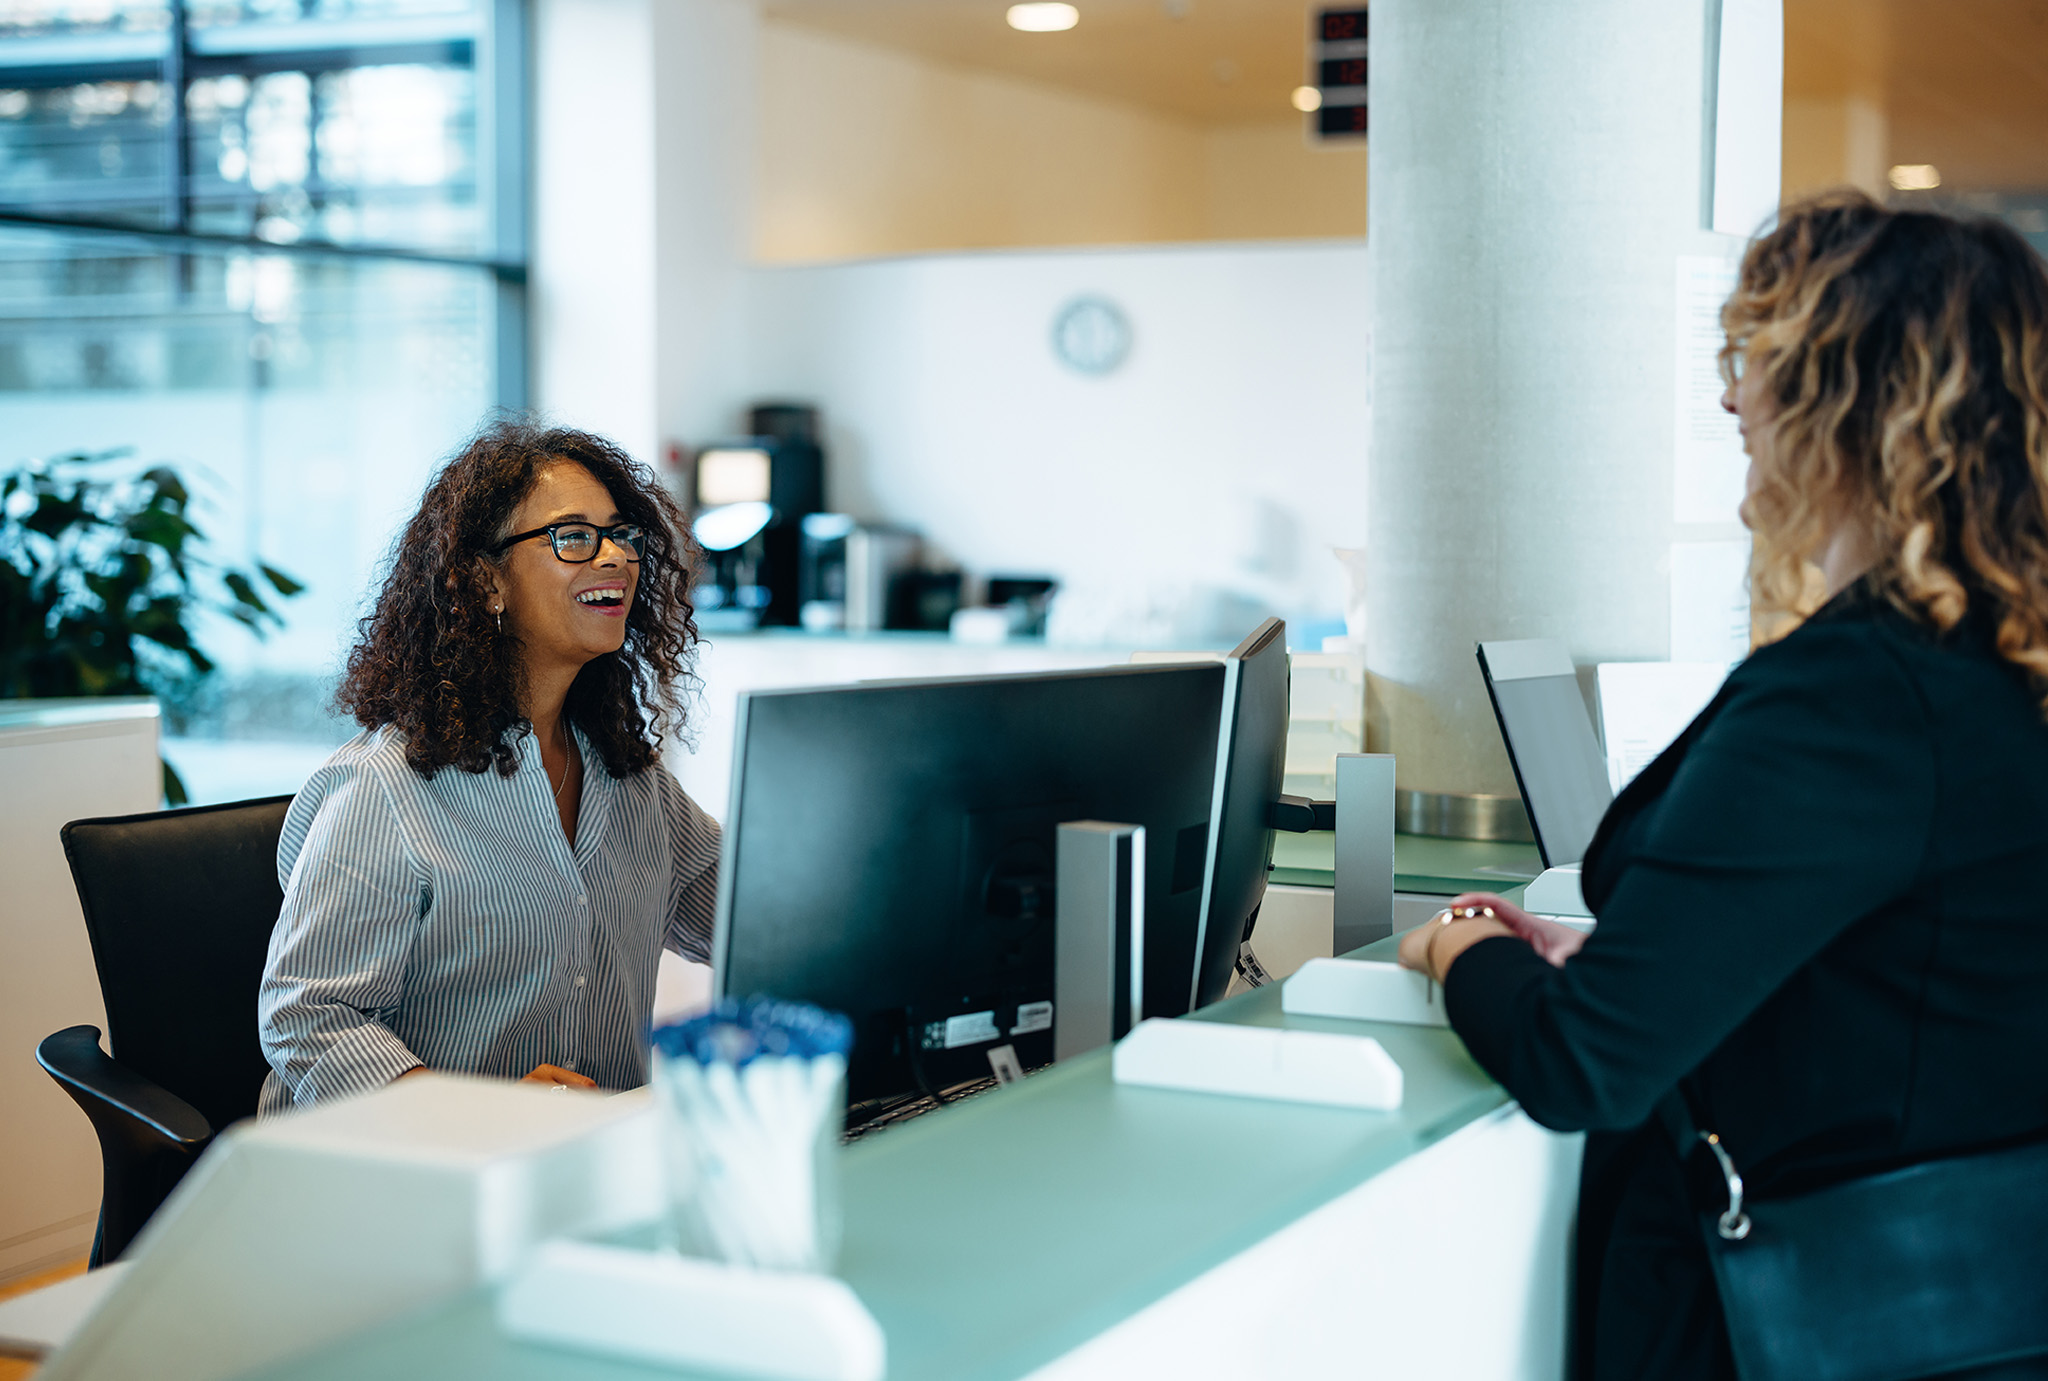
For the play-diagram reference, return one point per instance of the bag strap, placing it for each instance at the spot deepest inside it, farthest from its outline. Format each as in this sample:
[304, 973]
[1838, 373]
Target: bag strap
[1674, 1114]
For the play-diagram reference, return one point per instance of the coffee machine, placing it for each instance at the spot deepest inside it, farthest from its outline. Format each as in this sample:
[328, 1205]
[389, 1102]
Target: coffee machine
[749, 498]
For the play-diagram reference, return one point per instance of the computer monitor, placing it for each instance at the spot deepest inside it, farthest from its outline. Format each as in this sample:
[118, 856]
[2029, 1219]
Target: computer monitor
[1251, 766]
[1549, 737]
[889, 853]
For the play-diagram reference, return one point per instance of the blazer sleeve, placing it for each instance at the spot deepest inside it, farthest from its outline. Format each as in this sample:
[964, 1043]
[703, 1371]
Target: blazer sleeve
[1805, 805]
[693, 872]
[353, 898]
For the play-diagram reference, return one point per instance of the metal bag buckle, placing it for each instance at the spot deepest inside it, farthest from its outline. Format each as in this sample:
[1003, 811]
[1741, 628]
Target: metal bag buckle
[1734, 1223]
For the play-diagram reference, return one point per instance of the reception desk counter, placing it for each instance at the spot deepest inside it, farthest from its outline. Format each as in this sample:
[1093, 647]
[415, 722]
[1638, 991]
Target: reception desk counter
[1068, 1227]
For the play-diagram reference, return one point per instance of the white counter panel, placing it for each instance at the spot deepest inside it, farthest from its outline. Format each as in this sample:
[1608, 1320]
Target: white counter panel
[60, 760]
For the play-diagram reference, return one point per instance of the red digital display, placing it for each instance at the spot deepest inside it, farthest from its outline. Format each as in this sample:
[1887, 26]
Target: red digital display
[1339, 26]
[1340, 72]
[1340, 119]
[1340, 66]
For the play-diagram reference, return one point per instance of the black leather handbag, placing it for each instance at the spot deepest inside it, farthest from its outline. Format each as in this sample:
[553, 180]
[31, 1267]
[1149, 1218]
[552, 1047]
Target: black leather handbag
[1923, 1271]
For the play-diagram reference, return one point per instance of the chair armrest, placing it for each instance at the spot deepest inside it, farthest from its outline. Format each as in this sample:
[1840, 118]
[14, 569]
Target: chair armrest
[91, 1076]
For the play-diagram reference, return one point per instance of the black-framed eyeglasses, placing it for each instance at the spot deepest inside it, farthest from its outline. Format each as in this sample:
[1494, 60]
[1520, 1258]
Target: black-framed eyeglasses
[580, 542]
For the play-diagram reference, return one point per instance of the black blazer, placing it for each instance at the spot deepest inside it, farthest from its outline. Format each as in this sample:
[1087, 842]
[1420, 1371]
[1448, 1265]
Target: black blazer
[1825, 910]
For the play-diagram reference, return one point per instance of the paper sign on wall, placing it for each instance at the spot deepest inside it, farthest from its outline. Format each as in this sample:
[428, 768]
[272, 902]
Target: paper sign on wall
[1708, 462]
[1645, 705]
[1710, 601]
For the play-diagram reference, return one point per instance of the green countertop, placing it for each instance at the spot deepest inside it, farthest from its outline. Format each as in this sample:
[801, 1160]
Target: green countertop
[991, 1237]
[1421, 864]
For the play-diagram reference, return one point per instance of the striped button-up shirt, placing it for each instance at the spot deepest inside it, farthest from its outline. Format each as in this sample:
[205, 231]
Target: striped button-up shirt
[450, 923]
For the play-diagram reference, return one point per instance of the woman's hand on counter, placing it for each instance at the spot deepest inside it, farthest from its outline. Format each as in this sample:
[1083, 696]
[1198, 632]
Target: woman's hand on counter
[555, 1074]
[1554, 942]
[1431, 948]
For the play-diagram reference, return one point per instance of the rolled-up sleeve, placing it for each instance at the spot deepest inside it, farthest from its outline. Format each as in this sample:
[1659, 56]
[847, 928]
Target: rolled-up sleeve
[337, 964]
[693, 873]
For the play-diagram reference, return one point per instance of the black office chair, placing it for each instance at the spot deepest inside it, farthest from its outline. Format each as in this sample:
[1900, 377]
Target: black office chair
[180, 905]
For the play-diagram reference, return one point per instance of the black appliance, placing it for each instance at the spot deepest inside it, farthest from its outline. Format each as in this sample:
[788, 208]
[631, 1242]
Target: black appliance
[750, 497]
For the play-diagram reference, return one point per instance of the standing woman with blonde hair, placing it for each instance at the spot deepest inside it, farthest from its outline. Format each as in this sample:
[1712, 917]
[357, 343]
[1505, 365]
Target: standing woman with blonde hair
[1821, 930]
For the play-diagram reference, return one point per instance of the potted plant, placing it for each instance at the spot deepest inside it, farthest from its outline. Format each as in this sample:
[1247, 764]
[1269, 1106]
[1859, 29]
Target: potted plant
[101, 574]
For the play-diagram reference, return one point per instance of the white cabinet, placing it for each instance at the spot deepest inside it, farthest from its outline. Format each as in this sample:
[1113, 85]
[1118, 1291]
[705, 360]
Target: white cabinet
[60, 760]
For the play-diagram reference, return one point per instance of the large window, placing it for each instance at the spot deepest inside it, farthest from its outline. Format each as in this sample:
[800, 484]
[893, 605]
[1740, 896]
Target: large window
[279, 246]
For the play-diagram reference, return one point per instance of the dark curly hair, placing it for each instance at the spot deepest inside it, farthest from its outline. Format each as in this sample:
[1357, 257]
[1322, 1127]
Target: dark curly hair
[430, 661]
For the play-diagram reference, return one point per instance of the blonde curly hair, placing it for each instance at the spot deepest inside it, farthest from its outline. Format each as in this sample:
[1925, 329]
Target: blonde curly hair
[1907, 356]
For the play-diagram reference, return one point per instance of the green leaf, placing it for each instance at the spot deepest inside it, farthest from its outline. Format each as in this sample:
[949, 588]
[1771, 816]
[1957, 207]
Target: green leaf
[174, 785]
[54, 515]
[160, 528]
[167, 484]
[239, 585]
[163, 627]
[279, 581]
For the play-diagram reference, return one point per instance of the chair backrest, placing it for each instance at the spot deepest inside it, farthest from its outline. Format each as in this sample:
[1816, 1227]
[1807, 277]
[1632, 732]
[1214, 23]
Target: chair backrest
[180, 905]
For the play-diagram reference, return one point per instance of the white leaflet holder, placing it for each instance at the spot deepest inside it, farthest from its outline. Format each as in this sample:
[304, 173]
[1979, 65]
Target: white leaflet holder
[1555, 893]
[701, 1315]
[1259, 1062]
[1363, 990]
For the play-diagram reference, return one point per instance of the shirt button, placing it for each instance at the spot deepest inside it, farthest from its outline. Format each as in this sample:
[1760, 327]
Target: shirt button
[579, 980]
[583, 901]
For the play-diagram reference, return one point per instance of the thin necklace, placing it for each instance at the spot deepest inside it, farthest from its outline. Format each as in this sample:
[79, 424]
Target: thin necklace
[567, 765]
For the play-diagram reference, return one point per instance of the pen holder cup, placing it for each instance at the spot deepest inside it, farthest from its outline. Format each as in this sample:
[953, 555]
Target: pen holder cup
[752, 1098]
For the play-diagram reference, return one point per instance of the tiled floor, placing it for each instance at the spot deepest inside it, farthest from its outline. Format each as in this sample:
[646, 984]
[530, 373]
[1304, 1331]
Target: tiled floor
[13, 1368]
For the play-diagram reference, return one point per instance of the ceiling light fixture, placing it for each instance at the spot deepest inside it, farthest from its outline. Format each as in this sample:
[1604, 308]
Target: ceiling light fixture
[1916, 177]
[1043, 17]
[1307, 99]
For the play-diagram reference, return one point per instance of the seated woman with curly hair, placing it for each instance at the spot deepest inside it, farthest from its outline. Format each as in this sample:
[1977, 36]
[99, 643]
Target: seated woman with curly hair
[482, 881]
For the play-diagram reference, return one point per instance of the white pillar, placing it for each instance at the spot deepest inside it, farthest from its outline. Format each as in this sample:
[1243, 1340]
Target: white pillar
[643, 155]
[1536, 171]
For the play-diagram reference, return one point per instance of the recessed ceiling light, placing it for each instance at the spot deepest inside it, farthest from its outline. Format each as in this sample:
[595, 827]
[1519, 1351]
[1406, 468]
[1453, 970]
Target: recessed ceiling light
[1916, 177]
[1043, 17]
[1307, 98]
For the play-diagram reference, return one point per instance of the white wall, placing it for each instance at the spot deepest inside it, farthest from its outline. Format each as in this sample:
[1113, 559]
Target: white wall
[590, 299]
[1228, 452]
[643, 139]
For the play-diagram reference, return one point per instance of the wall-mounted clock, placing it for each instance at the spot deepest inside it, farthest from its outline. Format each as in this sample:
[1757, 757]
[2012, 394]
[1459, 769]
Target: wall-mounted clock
[1091, 335]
